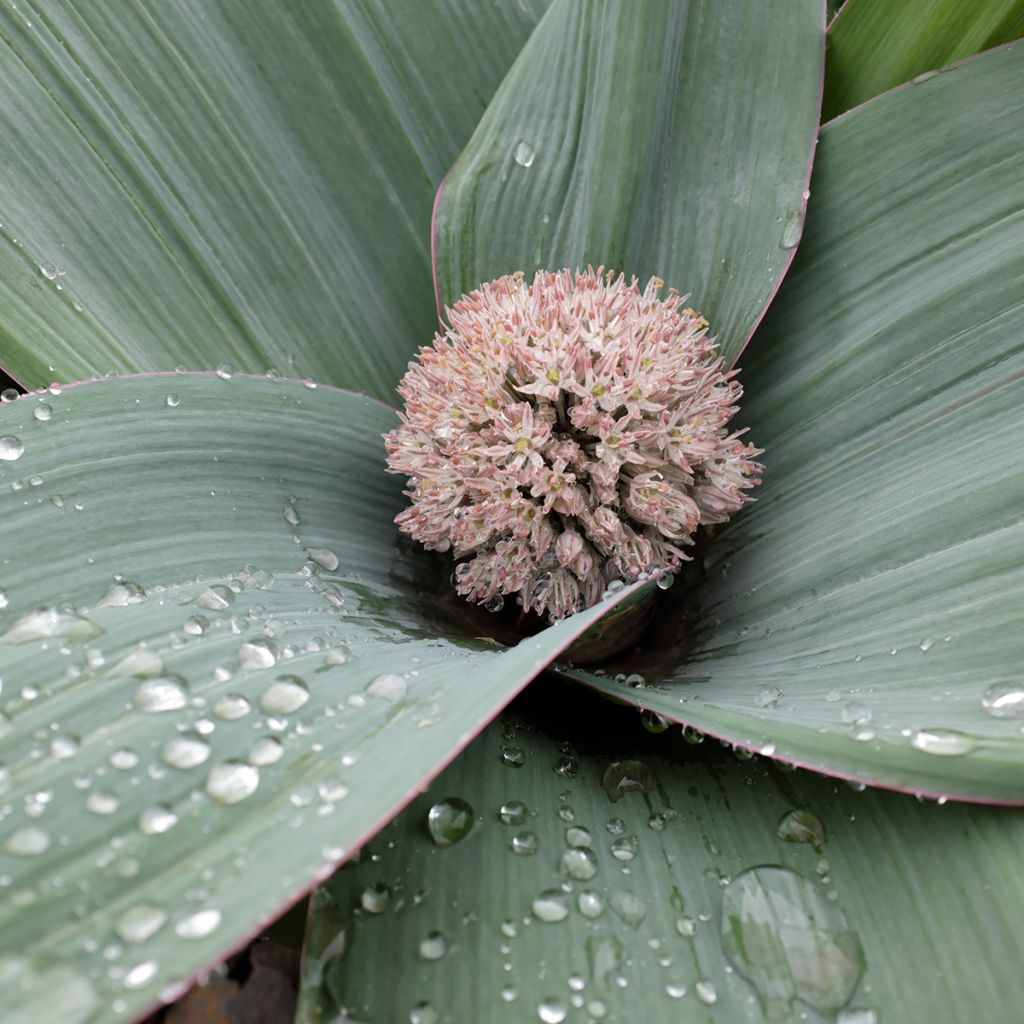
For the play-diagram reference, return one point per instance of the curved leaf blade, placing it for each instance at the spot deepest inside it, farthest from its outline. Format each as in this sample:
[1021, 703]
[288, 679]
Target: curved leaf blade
[195, 186]
[708, 852]
[233, 644]
[668, 139]
[859, 615]
[874, 45]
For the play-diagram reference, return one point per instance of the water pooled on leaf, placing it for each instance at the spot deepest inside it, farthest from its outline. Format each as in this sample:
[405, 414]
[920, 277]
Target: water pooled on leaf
[389, 687]
[198, 924]
[789, 941]
[551, 906]
[35, 990]
[51, 623]
[450, 821]
[630, 907]
[232, 781]
[943, 742]
[801, 826]
[623, 777]
[185, 752]
[284, 695]
[1004, 700]
[161, 693]
[11, 448]
[122, 594]
[254, 655]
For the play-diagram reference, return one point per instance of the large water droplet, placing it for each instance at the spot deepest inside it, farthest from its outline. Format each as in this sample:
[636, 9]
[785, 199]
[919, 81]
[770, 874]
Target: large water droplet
[388, 687]
[375, 898]
[590, 904]
[630, 907]
[705, 990]
[423, 1013]
[102, 801]
[38, 991]
[552, 1010]
[198, 924]
[525, 843]
[28, 841]
[266, 750]
[11, 448]
[140, 975]
[162, 693]
[513, 812]
[43, 412]
[156, 820]
[551, 906]
[524, 154]
[450, 821]
[577, 835]
[433, 947]
[578, 863]
[216, 598]
[622, 777]
[513, 757]
[323, 557]
[942, 742]
[50, 623]
[232, 781]
[140, 922]
[256, 654]
[1004, 700]
[284, 695]
[231, 706]
[789, 941]
[122, 594]
[801, 827]
[185, 751]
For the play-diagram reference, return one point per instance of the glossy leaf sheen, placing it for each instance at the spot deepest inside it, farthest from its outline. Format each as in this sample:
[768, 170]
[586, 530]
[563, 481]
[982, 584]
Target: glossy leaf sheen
[871, 596]
[924, 900]
[188, 184]
[874, 45]
[235, 646]
[634, 136]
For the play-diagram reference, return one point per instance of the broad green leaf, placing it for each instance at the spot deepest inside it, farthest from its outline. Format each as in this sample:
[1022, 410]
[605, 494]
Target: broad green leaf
[222, 669]
[863, 615]
[876, 44]
[194, 184]
[659, 139]
[711, 890]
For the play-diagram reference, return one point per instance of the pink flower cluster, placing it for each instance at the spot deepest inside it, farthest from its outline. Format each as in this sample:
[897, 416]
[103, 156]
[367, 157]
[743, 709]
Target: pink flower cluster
[563, 434]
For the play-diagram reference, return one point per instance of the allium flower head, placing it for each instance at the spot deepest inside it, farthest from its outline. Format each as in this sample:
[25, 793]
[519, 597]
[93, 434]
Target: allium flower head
[563, 434]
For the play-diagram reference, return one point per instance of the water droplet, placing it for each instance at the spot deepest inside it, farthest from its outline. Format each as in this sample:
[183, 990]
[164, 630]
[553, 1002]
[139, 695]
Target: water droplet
[39, 991]
[942, 742]
[291, 515]
[525, 843]
[224, 371]
[789, 941]
[101, 801]
[122, 594]
[9, 395]
[140, 922]
[433, 947]
[323, 557]
[857, 1015]
[450, 821]
[590, 904]
[524, 154]
[140, 975]
[196, 625]
[622, 777]
[231, 706]
[578, 836]
[509, 994]
[706, 990]
[578, 863]
[801, 827]
[686, 926]
[630, 907]
[232, 781]
[51, 623]
[337, 655]
[513, 812]
[266, 750]
[64, 745]
[254, 655]
[284, 695]
[43, 412]
[124, 759]
[513, 757]
[1004, 700]
[675, 990]
[552, 1010]
[768, 697]
[551, 906]
[624, 849]
[198, 924]
[216, 598]
[653, 722]
[566, 766]
[162, 693]
[388, 687]
[423, 1013]
[375, 898]
[665, 582]
[28, 841]
[156, 820]
[792, 226]
[48, 270]
[185, 752]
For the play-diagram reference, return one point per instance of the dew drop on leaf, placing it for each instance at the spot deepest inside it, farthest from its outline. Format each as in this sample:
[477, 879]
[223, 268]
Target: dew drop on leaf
[162, 693]
[433, 947]
[140, 922]
[513, 812]
[198, 924]
[388, 687]
[232, 781]
[942, 742]
[800, 826]
[185, 752]
[450, 821]
[1004, 700]
[284, 695]
[551, 906]
[11, 448]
